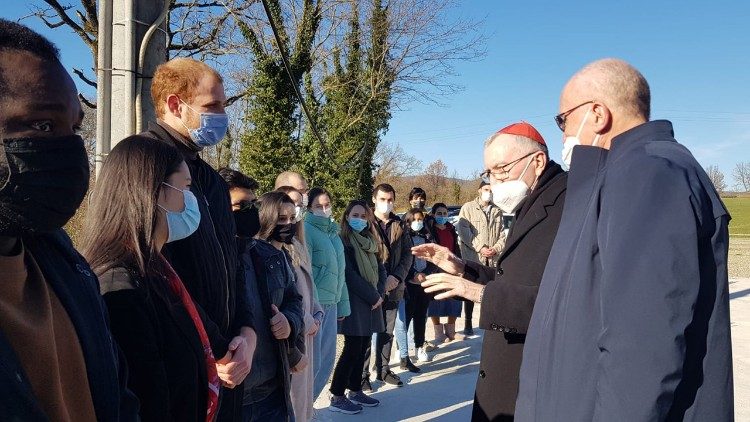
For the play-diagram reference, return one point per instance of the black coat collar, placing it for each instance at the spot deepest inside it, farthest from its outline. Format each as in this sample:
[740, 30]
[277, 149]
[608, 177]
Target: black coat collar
[550, 186]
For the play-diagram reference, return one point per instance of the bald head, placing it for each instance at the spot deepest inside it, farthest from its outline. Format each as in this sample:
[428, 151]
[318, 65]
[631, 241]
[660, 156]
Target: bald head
[293, 179]
[618, 85]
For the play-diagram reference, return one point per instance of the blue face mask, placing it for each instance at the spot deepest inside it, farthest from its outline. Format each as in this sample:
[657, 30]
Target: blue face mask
[357, 224]
[183, 223]
[441, 220]
[213, 128]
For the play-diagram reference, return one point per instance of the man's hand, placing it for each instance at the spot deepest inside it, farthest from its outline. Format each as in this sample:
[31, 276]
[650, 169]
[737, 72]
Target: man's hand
[487, 252]
[452, 286]
[377, 304]
[279, 324]
[391, 283]
[440, 256]
[314, 329]
[420, 277]
[237, 363]
[301, 365]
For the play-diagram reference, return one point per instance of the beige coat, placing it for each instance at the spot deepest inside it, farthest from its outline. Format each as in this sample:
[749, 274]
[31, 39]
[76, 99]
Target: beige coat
[475, 231]
[302, 382]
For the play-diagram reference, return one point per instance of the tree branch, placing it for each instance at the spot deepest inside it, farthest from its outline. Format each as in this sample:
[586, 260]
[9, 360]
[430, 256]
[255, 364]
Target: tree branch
[84, 78]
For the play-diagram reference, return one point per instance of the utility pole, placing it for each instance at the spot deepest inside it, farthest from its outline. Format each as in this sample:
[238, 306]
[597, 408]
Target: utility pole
[132, 43]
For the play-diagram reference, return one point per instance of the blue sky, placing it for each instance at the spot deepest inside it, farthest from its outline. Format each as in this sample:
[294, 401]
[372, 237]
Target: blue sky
[693, 53]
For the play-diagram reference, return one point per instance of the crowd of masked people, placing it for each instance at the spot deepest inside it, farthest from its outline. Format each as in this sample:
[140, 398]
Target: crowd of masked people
[190, 298]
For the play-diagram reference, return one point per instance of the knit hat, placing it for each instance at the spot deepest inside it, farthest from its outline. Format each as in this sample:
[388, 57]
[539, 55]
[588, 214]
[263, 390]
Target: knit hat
[523, 129]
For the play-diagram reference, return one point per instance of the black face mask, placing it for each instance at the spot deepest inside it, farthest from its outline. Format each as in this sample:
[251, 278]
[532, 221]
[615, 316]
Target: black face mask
[419, 204]
[247, 222]
[42, 183]
[284, 233]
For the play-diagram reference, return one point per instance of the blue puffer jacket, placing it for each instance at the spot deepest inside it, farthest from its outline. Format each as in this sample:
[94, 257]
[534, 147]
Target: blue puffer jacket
[327, 256]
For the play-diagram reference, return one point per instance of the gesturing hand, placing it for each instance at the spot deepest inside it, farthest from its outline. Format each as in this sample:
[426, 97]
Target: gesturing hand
[440, 256]
[377, 304]
[279, 324]
[452, 286]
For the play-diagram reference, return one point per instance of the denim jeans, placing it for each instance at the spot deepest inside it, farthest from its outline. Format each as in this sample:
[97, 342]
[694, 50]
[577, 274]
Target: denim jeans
[404, 339]
[324, 354]
[272, 408]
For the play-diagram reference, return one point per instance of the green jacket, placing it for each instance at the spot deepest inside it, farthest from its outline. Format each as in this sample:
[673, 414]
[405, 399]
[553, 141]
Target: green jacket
[328, 264]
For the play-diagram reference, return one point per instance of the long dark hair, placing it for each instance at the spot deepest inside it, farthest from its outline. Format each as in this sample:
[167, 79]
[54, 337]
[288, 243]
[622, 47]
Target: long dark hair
[121, 220]
[346, 229]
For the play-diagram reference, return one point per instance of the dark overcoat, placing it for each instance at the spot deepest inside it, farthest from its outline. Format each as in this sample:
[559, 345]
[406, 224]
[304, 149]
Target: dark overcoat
[363, 320]
[510, 293]
[632, 318]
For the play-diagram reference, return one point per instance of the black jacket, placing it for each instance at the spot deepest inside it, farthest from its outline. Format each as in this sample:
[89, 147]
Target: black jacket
[77, 289]
[398, 242]
[207, 261]
[162, 346]
[510, 295]
[271, 269]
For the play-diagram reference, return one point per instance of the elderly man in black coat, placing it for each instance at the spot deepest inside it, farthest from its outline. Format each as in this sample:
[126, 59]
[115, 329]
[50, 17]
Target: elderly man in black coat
[527, 183]
[632, 318]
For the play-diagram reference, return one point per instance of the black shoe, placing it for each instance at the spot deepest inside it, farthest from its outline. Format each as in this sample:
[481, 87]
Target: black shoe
[390, 378]
[469, 331]
[407, 365]
[366, 386]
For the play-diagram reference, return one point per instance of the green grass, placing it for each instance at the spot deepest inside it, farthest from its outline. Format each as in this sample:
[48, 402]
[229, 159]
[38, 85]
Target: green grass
[739, 208]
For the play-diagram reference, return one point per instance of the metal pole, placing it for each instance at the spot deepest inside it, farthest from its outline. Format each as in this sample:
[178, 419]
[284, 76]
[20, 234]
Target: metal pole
[104, 84]
[123, 79]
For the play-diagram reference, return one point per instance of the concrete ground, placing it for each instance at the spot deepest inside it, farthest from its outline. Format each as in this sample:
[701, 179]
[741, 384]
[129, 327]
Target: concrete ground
[443, 391]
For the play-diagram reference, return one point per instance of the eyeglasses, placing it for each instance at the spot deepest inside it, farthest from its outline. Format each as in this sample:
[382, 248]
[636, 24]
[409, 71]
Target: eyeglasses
[246, 205]
[560, 118]
[504, 169]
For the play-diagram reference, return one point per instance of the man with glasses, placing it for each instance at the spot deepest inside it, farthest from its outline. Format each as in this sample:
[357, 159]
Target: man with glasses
[632, 318]
[525, 181]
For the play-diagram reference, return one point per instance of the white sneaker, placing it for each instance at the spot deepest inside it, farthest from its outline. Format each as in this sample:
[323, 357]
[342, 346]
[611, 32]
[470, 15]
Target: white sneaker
[422, 355]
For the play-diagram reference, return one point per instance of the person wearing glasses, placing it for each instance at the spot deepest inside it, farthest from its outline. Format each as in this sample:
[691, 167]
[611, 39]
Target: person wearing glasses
[526, 182]
[632, 318]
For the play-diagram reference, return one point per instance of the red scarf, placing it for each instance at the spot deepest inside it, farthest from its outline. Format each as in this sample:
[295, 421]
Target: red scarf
[213, 377]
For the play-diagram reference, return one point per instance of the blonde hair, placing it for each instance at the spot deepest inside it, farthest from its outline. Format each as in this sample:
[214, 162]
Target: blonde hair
[178, 76]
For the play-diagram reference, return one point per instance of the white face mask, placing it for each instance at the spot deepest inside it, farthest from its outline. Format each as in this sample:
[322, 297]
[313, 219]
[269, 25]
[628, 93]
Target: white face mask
[507, 195]
[305, 199]
[384, 208]
[486, 196]
[417, 225]
[298, 212]
[325, 212]
[572, 141]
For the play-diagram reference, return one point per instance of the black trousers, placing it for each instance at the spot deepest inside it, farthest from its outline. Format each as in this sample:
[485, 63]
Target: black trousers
[383, 343]
[416, 309]
[347, 374]
[468, 313]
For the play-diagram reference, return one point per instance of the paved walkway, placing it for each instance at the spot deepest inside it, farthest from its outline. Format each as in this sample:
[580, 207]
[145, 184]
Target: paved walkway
[445, 388]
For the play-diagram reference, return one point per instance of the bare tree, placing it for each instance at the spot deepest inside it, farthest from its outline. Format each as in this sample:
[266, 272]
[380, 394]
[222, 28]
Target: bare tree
[435, 179]
[716, 177]
[741, 174]
[195, 28]
[391, 161]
